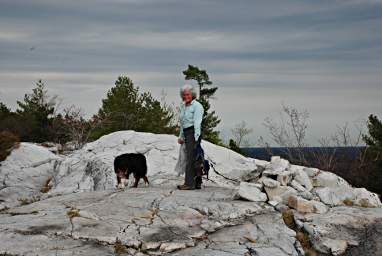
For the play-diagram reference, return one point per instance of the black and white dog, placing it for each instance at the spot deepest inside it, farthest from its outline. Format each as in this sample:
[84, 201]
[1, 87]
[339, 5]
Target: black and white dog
[127, 164]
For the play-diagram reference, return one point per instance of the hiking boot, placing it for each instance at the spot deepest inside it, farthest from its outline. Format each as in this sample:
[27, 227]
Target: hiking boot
[185, 187]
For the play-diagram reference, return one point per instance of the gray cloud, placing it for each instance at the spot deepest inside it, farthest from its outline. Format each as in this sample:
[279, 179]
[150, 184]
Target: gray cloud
[323, 55]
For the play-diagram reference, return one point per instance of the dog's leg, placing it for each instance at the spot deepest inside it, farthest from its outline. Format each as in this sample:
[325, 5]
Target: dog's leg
[146, 180]
[122, 180]
[136, 182]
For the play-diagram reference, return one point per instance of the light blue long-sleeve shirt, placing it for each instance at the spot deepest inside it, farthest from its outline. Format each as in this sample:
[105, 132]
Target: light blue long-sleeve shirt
[191, 115]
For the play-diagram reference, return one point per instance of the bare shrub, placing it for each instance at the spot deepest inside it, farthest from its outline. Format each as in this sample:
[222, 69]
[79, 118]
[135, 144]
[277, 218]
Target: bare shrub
[289, 132]
[7, 142]
[240, 134]
[342, 153]
[76, 127]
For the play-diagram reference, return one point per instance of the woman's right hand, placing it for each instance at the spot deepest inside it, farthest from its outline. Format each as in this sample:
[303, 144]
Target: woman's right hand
[180, 141]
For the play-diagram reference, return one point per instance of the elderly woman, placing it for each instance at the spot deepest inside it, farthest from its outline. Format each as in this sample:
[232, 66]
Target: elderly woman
[191, 115]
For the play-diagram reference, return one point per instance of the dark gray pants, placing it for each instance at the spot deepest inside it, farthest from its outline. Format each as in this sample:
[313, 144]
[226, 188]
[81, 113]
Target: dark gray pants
[192, 170]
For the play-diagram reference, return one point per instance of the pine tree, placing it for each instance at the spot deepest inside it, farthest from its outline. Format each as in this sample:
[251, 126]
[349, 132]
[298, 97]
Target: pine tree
[206, 91]
[120, 108]
[4, 110]
[124, 108]
[233, 146]
[36, 111]
[374, 138]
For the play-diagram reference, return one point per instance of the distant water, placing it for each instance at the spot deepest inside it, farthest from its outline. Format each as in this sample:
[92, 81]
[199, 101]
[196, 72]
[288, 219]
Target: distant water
[309, 152]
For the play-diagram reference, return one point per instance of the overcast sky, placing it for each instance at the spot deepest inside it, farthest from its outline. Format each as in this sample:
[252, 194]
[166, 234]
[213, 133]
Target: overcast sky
[324, 56]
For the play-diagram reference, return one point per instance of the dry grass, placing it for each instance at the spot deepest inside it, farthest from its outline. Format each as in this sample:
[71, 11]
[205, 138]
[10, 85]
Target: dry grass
[150, 214]
[119, 248]
[301, 236]
[4, 210]
[348, 202]
[310, 253]
[26, 201]
[288, 218]
[72, 213]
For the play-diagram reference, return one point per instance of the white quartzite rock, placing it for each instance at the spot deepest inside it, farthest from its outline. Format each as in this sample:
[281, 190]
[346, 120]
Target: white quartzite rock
[303, 178]
[366, 198]
[356, 196]
[276, 166]
[297, 186]
[24, 173]
[251, 192]
[280, 194]
[312, 172]
[160, 219]
[285, 177]
[306, 206]
[350, 229]
[328, 179]
[300, 204]
[270, 183]
[335, 196]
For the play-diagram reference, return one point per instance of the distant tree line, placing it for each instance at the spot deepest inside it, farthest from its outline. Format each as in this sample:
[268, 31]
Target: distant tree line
[39, 117]
[361, 166]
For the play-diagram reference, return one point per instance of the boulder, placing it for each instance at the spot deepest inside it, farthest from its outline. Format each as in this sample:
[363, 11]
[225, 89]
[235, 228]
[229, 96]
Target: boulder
[280, 194]
[276, 166]
[328, 179]
[366, 198]
[336, 246]
[335, 196]
[306, 195]
[300, 204]
[319, 207]
[270, 183]
[285, 177]
[297, 186]
[312, 172]
[251, 192]
[91, 168]
[303, 178]
[258, 185]
[25, 174]
[306, 206]
[343, 228]
[348, 195]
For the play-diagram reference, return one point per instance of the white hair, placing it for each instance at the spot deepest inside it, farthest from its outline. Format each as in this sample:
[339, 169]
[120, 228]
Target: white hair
[188, 87]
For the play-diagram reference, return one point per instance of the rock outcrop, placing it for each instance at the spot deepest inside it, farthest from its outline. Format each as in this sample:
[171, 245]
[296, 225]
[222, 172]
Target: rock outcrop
[68, 205]
[90, 169]
[345, 230]
[25, 174]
